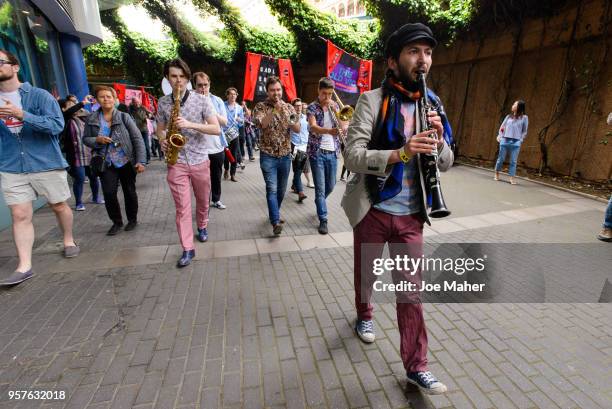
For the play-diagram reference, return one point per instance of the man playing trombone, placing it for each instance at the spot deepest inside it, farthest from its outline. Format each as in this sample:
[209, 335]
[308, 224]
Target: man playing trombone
[324, 146]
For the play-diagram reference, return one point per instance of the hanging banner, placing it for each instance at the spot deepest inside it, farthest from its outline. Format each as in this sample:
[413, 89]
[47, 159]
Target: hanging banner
[120, 90]
[131, 94]
[351, 75]
[286, 77]
[259, 68]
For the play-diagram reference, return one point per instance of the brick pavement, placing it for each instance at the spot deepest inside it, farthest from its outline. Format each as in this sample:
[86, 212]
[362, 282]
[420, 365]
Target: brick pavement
[273, 328]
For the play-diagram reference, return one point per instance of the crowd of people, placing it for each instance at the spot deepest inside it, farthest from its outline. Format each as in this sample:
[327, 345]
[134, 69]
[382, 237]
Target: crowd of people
[385, 201]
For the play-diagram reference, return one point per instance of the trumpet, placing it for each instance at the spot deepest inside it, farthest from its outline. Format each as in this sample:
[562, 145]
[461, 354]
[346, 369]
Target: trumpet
[346, 111]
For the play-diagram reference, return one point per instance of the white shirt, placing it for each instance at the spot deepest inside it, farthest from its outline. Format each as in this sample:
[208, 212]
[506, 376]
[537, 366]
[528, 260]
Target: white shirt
[327, 140]
[13, 124]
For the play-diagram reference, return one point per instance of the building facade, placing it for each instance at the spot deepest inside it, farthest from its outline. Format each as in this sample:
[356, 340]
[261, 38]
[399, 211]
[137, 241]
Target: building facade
[342, 8]
[47, 36]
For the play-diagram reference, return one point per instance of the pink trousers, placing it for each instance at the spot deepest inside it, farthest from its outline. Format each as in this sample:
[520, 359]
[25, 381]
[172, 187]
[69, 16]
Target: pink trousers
[180, 178]
[369, 237]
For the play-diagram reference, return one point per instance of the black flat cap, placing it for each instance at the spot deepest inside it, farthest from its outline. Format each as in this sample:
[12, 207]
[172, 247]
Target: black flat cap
[406, 34]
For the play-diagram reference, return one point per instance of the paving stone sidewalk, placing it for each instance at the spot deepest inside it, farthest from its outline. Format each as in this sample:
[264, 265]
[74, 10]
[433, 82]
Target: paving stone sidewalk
[273, 329]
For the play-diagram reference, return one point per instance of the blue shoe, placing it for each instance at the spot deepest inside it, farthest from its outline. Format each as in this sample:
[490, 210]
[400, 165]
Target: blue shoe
[202, 234]
[427, 383]
[16, 278]
[80, 207]
[185, 260]
[365, 330]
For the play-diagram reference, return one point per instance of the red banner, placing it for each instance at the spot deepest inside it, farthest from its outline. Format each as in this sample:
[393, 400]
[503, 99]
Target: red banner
[250, 76]
[259, 68]
[286, 76]
[352, 76]
[120, 90]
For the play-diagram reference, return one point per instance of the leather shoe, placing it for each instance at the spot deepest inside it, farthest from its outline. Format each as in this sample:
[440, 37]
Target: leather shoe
[185, 260]
[202, 235]
[323, 227]
[302, 197]
[114, 229]
[130, 226]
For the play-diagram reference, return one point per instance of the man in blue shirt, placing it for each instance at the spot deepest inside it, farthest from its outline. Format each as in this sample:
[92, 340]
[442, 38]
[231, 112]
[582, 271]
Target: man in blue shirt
[299, 143]
[31, 163]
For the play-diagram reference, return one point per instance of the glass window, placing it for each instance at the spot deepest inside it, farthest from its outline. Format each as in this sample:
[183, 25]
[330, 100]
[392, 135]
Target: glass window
[25, 32]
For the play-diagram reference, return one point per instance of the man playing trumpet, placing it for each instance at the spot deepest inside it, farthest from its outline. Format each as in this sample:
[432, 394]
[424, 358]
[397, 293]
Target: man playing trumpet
[324, 146]
[276, 119]
[196, 121]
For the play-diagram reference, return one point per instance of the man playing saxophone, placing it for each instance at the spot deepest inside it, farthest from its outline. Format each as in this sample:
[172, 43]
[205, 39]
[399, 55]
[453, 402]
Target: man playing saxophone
[196, 121]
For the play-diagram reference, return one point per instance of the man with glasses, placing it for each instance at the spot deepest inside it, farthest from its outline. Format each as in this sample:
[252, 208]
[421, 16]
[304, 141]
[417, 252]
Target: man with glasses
[216, 145]
[31, 163]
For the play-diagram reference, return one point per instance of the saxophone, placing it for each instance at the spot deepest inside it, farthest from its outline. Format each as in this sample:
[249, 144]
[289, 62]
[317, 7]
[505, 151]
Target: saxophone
[176, 141]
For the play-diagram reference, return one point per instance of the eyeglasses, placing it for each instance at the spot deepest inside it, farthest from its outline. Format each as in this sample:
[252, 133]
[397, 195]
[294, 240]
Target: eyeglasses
[7, 62]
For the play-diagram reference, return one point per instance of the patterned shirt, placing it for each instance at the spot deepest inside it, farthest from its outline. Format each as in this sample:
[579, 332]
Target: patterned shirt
[314, 140]
[275, 140]
[195, 109]
[115, 155]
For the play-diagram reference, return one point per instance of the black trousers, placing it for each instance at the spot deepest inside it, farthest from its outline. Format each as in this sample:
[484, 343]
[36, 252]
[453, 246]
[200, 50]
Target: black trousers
[235, 150]
[110, 179]
[216, 172]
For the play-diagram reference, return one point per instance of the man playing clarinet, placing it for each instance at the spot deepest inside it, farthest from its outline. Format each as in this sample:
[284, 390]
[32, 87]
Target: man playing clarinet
[385, 199]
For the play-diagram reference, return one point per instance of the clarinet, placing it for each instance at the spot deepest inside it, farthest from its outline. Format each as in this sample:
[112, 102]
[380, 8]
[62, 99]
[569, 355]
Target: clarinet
[429, 163]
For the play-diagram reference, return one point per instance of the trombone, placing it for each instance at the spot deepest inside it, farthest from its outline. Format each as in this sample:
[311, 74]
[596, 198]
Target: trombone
[346, 111]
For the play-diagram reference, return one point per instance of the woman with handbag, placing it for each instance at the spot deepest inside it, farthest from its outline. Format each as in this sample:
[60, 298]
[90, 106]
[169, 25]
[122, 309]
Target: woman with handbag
[235, 121]
[512, 132]
[119, 154]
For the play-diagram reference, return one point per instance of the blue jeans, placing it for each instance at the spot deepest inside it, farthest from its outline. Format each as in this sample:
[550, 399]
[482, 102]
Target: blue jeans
[275, 173]
[324, 168]
[608, 220]
[145, 138]
[78, 173]
[511, 147]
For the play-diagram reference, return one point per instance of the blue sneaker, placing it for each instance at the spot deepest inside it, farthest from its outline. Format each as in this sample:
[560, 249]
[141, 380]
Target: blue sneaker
[427, 383]
[365, 330]
[16, 278]
[185, 260]
[202, 234]
[80, 207]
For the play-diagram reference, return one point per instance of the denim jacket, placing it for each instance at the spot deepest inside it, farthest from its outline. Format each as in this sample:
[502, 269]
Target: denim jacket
[36, 148]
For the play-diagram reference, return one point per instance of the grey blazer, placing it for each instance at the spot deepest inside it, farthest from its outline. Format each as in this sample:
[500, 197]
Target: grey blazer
[361, 161]
[123, 130]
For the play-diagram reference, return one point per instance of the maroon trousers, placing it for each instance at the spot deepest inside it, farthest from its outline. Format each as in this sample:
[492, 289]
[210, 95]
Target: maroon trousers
[369, 238]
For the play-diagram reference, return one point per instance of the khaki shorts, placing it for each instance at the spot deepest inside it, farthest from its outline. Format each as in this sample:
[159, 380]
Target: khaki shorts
[25, 187]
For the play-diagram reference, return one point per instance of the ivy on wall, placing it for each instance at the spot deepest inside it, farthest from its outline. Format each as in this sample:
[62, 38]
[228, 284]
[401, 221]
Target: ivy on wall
[141, 58]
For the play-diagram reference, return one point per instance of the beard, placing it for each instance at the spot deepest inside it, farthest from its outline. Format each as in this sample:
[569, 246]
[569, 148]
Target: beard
[408, 78]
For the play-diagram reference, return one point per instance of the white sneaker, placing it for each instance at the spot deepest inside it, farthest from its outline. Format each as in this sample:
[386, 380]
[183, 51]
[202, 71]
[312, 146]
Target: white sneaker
[219, 205]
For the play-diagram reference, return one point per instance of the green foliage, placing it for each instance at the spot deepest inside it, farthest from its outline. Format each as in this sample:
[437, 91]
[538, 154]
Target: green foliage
[309, 25]
[246, 37]
[445, 17]
[141, 58]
